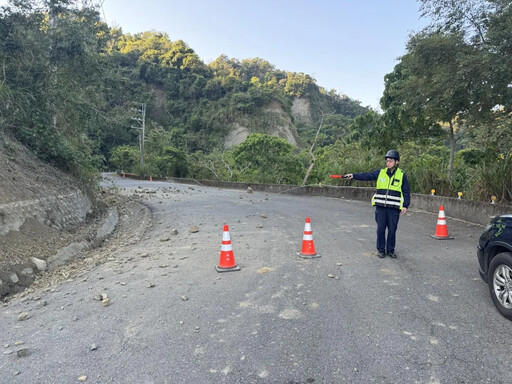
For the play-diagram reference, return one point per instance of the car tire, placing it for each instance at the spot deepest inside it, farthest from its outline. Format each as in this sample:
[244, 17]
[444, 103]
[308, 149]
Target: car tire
[500, 283]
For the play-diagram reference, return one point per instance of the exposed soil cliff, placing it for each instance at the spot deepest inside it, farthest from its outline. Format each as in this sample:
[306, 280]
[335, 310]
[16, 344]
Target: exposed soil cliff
[277, 122]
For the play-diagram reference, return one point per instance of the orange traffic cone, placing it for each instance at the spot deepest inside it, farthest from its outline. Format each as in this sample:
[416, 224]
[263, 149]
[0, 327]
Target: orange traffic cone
[150, 178]
[308, 247]
[227, 258]
[441, 228]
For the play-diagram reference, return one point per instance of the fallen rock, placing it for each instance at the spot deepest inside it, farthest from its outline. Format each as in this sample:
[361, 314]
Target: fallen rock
[23, 316]
[194, 229]
[39, 264]
[249, 190]
[14, 278]
[27, 271]
[22, 352]
[105, 301]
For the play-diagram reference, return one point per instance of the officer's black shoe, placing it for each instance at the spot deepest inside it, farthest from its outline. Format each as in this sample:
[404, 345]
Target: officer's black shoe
[392, 255]
[381, 255]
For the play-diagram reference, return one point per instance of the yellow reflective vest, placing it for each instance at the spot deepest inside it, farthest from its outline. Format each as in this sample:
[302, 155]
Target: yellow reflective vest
[389, 190]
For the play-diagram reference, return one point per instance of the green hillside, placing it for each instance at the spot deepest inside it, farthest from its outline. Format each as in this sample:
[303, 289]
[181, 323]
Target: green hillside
[76, 92]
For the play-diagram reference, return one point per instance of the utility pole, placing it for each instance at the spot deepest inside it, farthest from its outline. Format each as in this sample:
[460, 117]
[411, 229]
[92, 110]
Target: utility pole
[140, 118]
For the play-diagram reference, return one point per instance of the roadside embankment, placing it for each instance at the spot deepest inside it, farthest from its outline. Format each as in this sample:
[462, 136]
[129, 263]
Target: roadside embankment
[61, 211]
[42, 234]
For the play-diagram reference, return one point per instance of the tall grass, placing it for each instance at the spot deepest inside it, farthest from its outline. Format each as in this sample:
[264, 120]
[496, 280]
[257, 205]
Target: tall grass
[478, 178]
[494, 177]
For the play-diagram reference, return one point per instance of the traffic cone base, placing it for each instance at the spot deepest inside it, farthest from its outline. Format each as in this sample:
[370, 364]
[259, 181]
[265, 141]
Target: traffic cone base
[308, 246]
[441, 228]
[442, 238]
[308, 256]
[235, 268]
[227, 257]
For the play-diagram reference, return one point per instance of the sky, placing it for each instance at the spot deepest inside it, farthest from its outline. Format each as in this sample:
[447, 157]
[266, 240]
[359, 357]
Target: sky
[346, 45]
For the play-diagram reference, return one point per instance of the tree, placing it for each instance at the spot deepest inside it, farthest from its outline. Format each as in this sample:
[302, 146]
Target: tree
[182, 57]
[431, 85]
[257, 68]
[312, 154]
[469, 17]
[218, 164]
[299, 84]
[126, 158]
[268, 159]
[371, 132]
[51, 57]
[172, 162]
[223, 66]
[485, 27]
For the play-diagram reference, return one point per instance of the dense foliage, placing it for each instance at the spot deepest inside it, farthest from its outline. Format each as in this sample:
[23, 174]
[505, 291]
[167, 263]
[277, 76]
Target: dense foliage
[70, 86]
[454, 84]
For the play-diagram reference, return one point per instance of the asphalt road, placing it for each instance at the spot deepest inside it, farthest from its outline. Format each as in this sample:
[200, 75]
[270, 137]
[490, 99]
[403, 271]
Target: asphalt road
[425, 317]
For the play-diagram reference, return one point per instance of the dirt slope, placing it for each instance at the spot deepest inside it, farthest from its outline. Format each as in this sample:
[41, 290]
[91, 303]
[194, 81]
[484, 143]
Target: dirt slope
[23, 177]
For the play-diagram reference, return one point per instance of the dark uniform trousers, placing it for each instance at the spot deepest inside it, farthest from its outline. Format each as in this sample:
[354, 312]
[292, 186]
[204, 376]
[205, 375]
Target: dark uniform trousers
[386, 218]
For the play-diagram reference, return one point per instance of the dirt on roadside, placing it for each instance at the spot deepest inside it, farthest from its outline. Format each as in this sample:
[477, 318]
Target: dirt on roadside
[24, 177]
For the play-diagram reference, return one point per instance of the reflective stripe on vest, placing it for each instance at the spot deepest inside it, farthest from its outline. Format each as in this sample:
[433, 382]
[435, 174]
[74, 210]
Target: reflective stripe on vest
[389, 190]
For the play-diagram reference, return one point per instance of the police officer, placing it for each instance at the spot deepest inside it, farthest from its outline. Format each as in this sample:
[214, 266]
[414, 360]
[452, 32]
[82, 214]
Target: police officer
[392, 197]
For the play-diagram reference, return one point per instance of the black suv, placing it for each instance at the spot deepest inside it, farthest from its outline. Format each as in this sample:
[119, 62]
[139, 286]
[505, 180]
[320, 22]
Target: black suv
[495, 259]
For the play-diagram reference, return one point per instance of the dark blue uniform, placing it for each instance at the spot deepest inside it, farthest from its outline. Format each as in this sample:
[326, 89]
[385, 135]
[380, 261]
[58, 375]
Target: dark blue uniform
[387, 217]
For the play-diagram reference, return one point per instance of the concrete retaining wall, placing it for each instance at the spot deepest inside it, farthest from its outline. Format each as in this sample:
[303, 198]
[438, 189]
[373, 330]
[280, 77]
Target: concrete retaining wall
[471, 211]
[60, 211]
